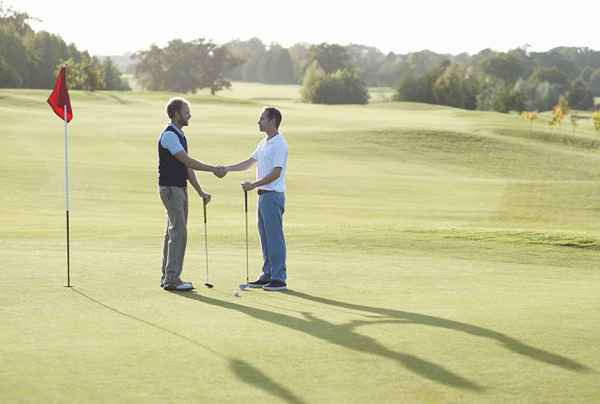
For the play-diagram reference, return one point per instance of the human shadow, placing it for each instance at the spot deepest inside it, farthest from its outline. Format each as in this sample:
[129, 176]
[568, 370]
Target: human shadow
[243, 370]
[253, 376]
[345, 336]
[510, 343]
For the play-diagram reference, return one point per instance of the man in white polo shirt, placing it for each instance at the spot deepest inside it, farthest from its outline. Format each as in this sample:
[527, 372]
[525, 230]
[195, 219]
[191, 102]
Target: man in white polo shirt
[271, 158]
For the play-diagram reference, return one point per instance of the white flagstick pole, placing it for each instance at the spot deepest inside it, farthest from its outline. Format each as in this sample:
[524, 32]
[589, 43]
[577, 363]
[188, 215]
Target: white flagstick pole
[67, 196]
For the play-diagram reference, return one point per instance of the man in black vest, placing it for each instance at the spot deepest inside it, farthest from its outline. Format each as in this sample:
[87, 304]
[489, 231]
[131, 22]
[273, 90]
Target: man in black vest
[175, 169]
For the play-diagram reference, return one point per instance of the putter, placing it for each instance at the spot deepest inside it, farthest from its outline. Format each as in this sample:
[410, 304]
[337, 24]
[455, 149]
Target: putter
[244, 286]
[207, 284]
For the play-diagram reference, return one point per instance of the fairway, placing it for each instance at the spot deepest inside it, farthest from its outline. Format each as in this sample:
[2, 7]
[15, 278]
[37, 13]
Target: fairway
[434, 255]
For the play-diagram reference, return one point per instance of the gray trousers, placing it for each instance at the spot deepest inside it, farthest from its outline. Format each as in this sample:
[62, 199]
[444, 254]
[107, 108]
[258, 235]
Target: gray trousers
[175, 200]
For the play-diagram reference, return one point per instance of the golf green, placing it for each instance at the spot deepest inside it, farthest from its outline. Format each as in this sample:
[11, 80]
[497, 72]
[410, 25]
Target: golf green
[434, 255]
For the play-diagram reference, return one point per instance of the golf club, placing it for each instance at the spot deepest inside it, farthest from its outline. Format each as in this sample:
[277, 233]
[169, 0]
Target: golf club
[244, 286]
[207, 284]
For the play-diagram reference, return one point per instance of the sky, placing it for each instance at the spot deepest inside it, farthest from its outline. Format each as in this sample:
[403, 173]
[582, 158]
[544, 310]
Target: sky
[112, 27]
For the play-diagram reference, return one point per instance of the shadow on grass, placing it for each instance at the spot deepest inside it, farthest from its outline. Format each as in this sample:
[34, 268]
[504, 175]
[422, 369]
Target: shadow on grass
[254, 377]
[415, 318]
[242, 369]
[345, 336]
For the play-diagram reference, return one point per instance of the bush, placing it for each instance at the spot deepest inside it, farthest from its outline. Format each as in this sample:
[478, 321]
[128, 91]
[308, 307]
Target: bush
[415, 90]
[312, 76]
[341, 87]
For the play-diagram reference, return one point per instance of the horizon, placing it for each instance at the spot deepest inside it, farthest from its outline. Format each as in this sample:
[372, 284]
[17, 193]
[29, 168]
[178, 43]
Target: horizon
[468, 31]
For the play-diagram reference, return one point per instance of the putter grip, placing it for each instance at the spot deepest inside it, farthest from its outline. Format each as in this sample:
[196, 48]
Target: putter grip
[246, 200]
[204, 206]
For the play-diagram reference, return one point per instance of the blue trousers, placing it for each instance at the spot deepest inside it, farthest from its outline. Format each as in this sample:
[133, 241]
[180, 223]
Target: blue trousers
[271, 206]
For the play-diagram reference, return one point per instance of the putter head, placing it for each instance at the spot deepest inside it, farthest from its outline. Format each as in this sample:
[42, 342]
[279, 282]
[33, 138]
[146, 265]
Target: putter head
[244, 286]
[209, 285]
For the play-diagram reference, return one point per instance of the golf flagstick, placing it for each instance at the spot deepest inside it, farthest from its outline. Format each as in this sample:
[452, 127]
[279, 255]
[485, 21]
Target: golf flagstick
[67, 197]
[206, 283]
[60, 103]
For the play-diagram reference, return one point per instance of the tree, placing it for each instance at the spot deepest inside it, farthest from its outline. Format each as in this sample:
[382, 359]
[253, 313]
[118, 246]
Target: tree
[185, 66]
[149, 69]
[580, 96]
[552, 75]
[46, 51]
[299, 55]
[586, 74]
[559, 111]
[331, 57]
[420, 89]
[219, 61]
[16, 20]
[9, 77]
[87, 74]
[112, 76]
[250, 53]
[30, 59]
[506, 67]
[561, 59]
[496, 95]
[276, 66]
[456, 88]
[367, 61]
[389, 72]
[595, 83]
[312, 76]
[13, 59]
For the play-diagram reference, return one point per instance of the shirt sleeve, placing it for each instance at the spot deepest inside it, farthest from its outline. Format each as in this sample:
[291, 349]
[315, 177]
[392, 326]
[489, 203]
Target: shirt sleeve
[170, 141]
[280, 155]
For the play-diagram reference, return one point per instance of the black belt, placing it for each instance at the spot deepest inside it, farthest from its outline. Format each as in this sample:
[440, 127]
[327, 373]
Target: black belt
[264, 191]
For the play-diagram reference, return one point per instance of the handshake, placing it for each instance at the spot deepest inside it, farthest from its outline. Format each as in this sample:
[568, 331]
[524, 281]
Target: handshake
[219, 171]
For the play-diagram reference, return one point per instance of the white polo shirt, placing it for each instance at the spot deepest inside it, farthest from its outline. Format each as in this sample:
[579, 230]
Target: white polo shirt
[268, 155]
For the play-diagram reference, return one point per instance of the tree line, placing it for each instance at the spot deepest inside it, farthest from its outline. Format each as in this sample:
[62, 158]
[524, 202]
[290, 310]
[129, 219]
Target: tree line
[275, 64]
[489, 80]
[31, 59]
[516, 80]
[329, 73]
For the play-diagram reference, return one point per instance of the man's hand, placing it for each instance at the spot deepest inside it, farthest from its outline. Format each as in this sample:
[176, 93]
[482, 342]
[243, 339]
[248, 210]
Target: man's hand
[220, 171]
[206, 197]
[247, 186]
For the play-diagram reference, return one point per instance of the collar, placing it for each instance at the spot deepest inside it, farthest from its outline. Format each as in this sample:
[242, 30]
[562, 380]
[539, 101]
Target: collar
[275, 136]
[172, 125]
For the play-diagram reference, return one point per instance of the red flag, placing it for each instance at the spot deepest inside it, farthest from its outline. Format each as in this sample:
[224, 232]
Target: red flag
[60, 96]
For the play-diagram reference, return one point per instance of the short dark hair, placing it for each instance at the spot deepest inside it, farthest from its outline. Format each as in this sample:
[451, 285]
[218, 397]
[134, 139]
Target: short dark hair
[273, 113]
[174, 105]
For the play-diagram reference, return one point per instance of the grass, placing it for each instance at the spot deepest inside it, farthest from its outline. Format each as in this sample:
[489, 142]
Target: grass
[435, 255]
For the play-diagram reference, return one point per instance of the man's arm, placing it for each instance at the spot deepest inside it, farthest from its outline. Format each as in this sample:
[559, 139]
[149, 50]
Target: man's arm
[189, 162]
[194, 181]
[276, 173]
[241, 166]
